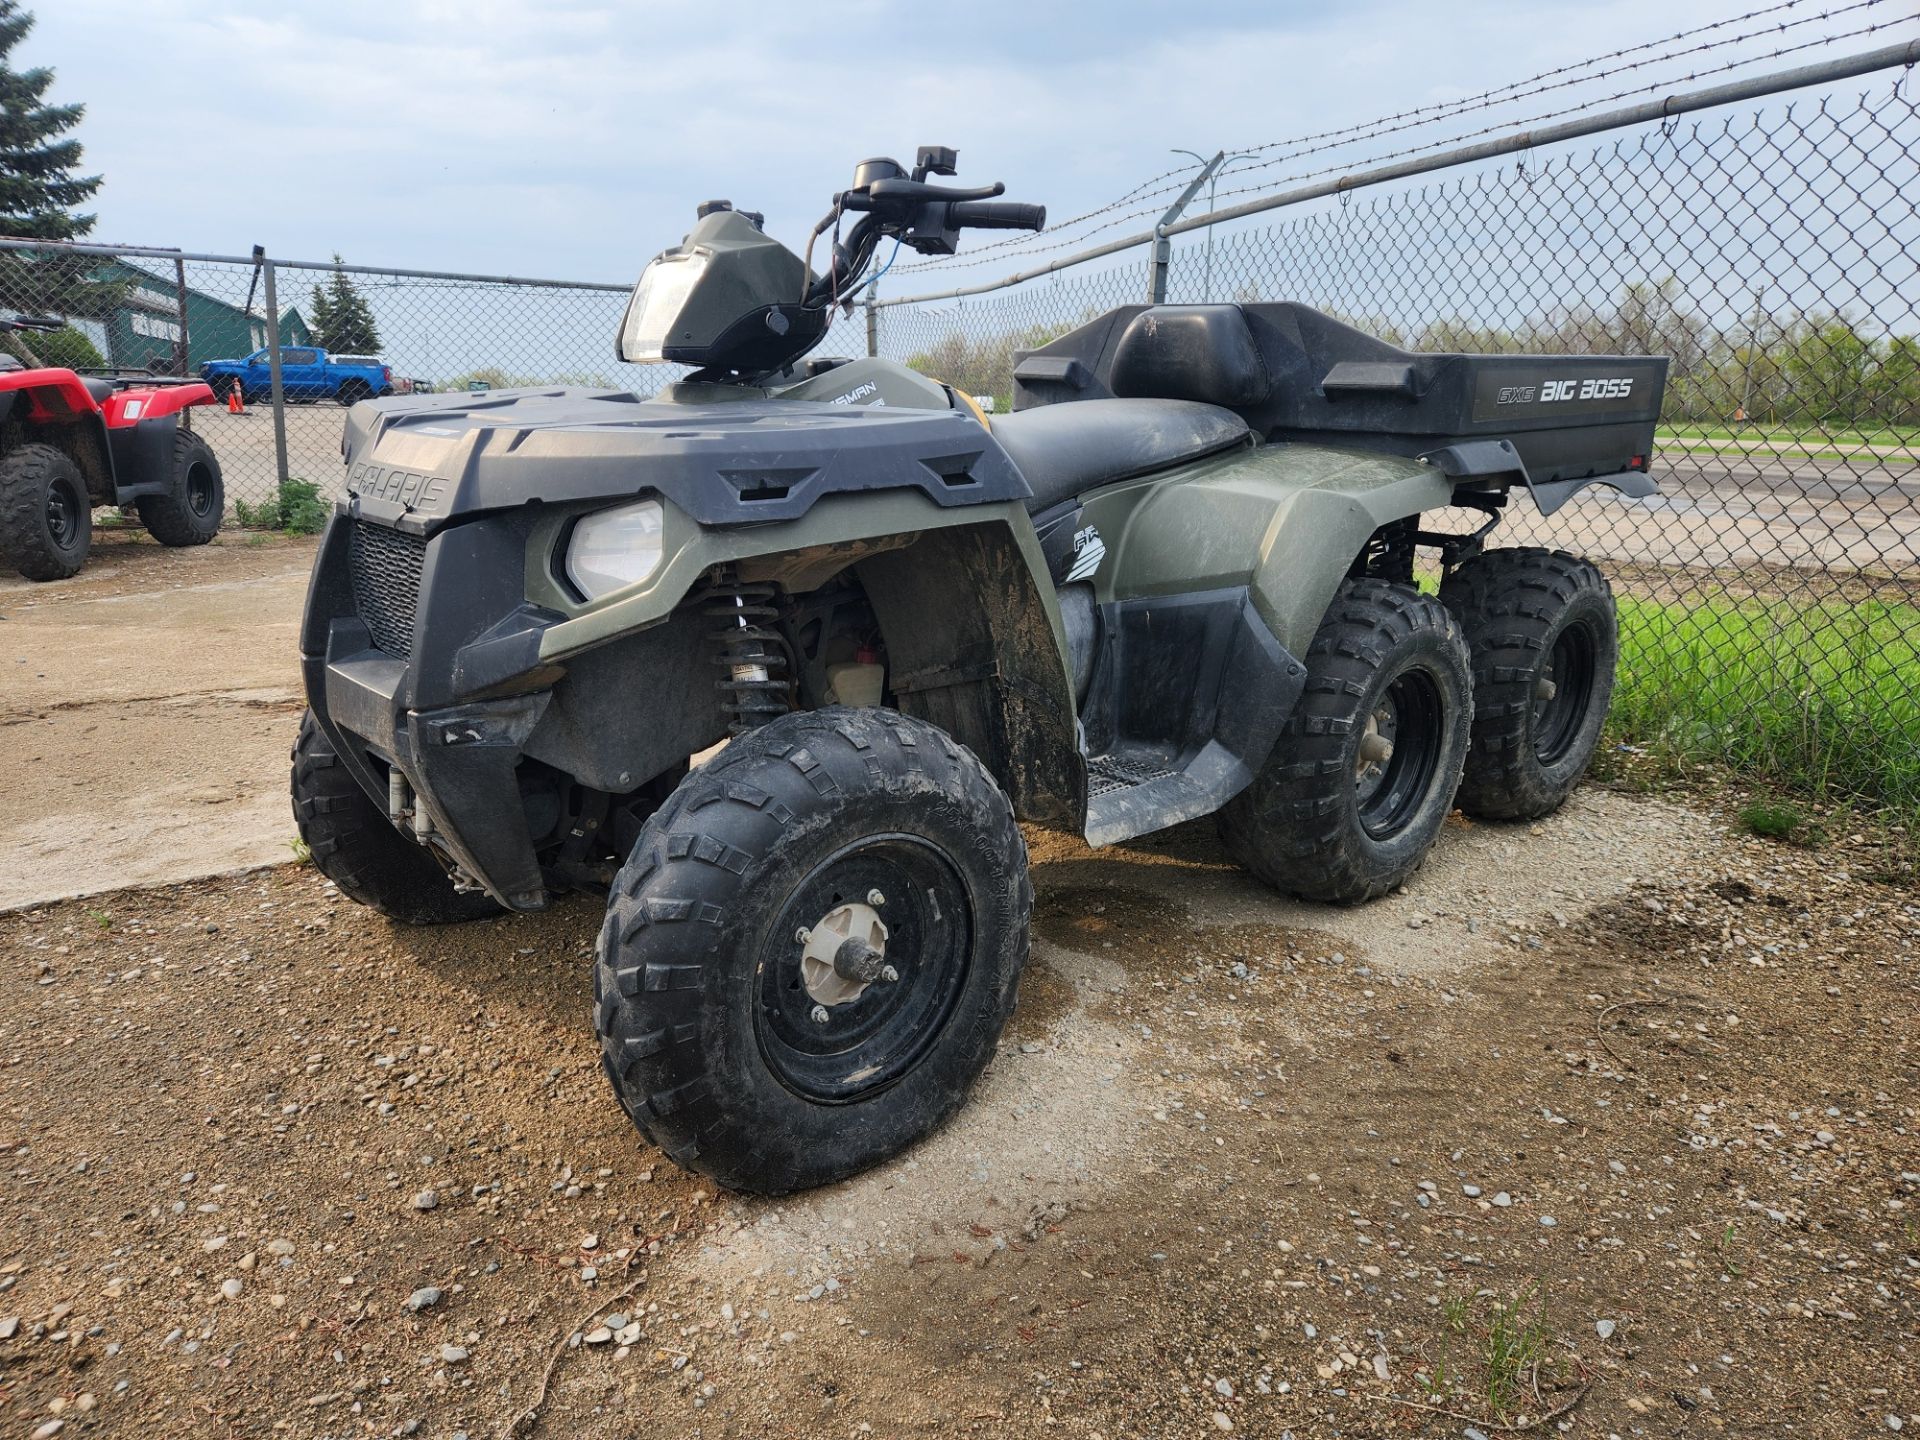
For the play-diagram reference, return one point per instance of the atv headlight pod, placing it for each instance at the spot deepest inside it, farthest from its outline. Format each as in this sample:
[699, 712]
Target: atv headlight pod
[615, 548]
[657, 302]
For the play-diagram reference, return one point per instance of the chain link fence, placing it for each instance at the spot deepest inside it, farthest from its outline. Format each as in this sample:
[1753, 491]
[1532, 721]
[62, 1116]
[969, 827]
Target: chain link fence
[1770, 594]
[139, 312]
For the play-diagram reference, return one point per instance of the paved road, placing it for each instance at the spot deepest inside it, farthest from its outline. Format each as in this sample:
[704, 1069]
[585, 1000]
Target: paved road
[1715, 509]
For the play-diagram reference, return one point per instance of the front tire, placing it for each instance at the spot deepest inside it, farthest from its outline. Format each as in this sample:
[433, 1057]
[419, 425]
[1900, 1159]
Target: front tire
[1544, 636]
[731, 1035]
[1363, 775]
[46, 514]
[196, 499]
[354, 845]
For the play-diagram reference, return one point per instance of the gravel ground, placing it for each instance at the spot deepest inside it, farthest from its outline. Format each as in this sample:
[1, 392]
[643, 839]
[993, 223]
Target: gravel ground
[1241, 1165]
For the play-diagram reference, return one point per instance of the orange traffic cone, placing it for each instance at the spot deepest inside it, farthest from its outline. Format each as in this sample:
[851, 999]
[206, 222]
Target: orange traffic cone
[235, 405]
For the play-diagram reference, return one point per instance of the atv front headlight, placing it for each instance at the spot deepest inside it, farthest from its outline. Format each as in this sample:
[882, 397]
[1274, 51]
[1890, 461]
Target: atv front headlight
[615, 548]
[656, 305]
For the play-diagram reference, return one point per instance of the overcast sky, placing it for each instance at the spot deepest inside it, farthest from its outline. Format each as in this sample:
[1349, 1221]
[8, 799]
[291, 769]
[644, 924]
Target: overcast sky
[573, 138]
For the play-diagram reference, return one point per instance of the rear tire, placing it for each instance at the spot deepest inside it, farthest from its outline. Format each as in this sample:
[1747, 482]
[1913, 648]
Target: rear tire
[46, 514]
[192, 509]
[354, 845]
[729, 1048]
[1544, 637]
[353, 391]
[1330, 817]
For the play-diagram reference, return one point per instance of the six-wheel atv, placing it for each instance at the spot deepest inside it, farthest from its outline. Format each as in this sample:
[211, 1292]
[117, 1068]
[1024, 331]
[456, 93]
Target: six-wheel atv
[71, 442]
[1182, 578]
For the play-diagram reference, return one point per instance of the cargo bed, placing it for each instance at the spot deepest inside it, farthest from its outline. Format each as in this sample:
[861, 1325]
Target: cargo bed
[1295, 374]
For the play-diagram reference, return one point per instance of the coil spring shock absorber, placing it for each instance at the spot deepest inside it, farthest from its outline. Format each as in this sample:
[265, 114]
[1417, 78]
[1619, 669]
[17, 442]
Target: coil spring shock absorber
[751, 650]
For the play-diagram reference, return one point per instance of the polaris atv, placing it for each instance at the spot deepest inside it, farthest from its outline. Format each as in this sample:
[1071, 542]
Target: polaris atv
[1179, 579]
[70, 442]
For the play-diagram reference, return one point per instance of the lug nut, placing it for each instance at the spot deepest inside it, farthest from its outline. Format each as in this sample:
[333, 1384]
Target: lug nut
[876, 899]
[819, 1016]
[802, 935]
[888, 974]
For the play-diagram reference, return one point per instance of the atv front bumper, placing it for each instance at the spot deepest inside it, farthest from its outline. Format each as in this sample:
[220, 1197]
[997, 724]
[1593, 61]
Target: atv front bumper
[459, 764]
[414, 712]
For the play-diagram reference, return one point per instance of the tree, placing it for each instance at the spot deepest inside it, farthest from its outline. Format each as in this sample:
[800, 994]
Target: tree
[342, 320]
[38, 184]
[39, 188]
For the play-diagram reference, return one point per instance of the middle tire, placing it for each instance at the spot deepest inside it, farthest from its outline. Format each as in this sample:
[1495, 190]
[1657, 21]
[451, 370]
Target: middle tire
[1363, 775]
[741, 994]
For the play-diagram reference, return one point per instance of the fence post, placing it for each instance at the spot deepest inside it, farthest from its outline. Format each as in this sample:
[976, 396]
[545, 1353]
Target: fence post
[1162, 259]
[273, 369]
[873, 318]
[180, 350]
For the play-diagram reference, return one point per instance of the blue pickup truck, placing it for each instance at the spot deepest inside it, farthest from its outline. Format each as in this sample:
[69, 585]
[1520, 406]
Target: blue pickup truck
[306, 373]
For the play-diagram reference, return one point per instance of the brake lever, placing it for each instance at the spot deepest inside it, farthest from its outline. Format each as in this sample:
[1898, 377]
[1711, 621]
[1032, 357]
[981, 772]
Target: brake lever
[918, 191]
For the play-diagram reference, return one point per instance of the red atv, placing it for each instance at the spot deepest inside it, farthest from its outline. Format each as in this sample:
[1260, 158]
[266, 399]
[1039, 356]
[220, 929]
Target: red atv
[70, 442]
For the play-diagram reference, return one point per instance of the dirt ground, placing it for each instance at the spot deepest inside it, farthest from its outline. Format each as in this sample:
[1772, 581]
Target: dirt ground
[1241, 1165]
[153, 693]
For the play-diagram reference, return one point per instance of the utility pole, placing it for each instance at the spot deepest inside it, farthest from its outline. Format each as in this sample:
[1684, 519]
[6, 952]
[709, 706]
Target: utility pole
[1211, 174]
[1753, 343]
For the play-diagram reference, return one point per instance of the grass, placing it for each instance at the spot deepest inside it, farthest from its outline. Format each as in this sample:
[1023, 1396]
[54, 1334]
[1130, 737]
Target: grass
[296, 508]
[1810, 432]
[1820, 699]
[1503, 1346]
[1775, 819]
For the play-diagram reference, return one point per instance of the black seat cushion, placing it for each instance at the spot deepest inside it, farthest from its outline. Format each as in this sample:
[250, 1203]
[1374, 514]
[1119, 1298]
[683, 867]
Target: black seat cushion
[97, 387]
[1191, 352]
[1065, 449]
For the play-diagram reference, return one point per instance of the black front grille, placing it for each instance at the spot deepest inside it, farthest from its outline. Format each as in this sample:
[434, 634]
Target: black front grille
[386, 584]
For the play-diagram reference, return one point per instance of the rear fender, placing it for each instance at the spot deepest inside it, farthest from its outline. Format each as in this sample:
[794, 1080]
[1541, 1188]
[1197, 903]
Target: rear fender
[130, 407]
[1285, 521]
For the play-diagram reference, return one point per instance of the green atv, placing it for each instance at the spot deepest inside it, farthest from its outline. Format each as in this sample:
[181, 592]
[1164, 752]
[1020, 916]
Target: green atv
[1179, 579]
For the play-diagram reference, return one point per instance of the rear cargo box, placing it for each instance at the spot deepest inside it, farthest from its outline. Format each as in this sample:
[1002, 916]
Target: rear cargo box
[1296, 374]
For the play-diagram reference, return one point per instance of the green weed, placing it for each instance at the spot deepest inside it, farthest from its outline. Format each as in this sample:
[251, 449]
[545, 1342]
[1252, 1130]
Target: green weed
[296, 508]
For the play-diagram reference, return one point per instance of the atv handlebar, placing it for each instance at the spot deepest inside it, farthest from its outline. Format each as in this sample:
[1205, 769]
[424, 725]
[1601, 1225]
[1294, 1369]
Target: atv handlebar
[923, 217]
[989, 215]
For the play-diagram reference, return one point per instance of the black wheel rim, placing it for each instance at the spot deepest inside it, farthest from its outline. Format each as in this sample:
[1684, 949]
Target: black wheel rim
[870, 1042]
[1409, 717]
[1562, 694]
[63, 514]
[200, 490]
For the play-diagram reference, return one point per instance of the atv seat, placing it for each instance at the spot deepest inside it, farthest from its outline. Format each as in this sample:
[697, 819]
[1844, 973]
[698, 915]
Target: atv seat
[98, 387]
[1063, 450]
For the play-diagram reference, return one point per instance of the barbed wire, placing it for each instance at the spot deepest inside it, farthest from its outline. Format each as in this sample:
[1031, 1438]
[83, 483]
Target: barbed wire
[1022, 246]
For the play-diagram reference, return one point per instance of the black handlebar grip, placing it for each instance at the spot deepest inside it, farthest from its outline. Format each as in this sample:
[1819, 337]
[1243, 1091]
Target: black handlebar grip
[996, 215]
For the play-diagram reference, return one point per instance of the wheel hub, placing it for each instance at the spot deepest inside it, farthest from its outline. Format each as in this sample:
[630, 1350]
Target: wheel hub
[1376, 744]
[843, 953]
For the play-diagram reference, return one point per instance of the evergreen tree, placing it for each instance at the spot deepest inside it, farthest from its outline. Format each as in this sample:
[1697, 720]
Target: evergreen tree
[38, 184]
[342, 321]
